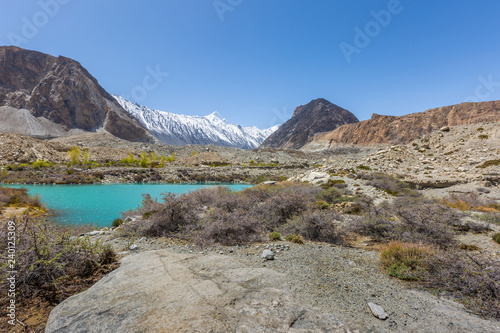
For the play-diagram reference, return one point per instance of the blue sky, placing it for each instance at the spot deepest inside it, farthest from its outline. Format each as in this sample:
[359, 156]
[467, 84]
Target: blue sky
[254, 61]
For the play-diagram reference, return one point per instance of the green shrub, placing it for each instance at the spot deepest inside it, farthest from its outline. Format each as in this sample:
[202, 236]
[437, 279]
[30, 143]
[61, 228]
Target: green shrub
[41, 164]
[364, 167]
[117, 222]
[273, 236]
[496, 237]
[483, 136]
[297, 239]
[129, 159]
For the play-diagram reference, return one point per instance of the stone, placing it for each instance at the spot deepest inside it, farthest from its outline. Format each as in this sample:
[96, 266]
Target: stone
[93, 233]
[134, 247]
[267, 254]
[160, 291]
[316, 177]
[378, 311]
[445, 129]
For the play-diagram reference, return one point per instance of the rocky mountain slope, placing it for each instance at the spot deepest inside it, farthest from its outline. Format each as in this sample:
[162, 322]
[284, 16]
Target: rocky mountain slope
[46, 96]
[308, 120]
[403, 129]
[177, 129]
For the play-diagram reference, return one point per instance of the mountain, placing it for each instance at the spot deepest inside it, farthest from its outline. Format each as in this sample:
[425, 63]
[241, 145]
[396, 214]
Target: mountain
[177, 129]
[404, 129]
[46, 96]
[308, 120]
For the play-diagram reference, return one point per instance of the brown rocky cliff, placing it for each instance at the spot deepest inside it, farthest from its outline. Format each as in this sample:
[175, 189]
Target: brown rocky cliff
[315, 117]
[403, 129]
[62, 91]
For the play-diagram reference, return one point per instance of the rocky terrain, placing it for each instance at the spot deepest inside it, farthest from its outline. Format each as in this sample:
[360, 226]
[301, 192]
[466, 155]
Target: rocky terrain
[334, 283]
[308, 120]
[306, 287]
[403, 129]
[465, 156]
[193, 163]
[46, 96]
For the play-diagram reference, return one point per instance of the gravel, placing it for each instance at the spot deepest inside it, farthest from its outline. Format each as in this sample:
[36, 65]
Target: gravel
[343, 280]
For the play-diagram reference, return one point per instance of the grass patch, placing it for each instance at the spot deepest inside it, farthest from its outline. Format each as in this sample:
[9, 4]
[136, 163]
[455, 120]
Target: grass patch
[405, 261]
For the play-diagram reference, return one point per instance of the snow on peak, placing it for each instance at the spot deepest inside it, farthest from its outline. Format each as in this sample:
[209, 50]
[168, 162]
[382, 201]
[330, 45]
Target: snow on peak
[177, 129]
[215, 117]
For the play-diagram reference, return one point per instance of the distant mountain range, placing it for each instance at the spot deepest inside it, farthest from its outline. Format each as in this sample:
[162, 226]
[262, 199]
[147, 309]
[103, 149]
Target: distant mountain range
[178, 129]
[44, 96]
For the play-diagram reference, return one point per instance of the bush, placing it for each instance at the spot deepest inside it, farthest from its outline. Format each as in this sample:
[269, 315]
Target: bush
[318, 226]
[117, 222]
[18, 197]
[274, 236]
[388, 184]
[409, 219]
[52, 263]
[297, 239]
[334, 195]
[169, 217]
[470, 201]
[405, 261]
[474, 280]
[227, 228]
[496, 237]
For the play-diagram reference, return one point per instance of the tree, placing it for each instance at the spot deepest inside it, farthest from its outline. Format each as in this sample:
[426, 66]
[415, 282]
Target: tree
[86, 156]
[143, 159]
[74, 155]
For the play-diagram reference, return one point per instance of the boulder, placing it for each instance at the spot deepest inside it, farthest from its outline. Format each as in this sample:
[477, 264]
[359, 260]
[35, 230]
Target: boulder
[316, 177]
[159, 291]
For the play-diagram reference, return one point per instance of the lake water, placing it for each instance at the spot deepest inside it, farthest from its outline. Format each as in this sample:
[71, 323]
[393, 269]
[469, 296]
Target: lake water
[101, 204]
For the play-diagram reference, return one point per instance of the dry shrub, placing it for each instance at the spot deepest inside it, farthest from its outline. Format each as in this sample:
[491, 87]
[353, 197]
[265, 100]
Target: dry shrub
[334, 195]
[227, 228]
[18, 197]
[50, 262]
[172, 216]
[388, 184]
[409, 219]
[276, 210]
[321, 226]
[472, 279]
[469, 201]
[406, 261]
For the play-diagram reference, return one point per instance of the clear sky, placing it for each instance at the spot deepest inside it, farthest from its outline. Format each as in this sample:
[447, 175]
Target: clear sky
[254, 61]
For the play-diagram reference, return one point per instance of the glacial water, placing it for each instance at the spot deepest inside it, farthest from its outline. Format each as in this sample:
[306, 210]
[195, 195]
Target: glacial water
[101, 204]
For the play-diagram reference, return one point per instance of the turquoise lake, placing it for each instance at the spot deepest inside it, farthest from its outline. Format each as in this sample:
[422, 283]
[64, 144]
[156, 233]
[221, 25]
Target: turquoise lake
[101, 204]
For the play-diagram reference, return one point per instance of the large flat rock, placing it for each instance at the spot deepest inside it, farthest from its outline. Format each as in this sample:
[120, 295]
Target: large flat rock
[159, 291]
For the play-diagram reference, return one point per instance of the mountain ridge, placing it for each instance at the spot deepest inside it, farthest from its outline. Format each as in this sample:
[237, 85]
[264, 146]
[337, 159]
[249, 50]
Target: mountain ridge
[317, 116]
[380, 129]
[177, 129]
[60, 96]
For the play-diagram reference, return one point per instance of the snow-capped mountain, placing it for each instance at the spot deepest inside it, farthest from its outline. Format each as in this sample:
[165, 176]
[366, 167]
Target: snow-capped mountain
[178, 129]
